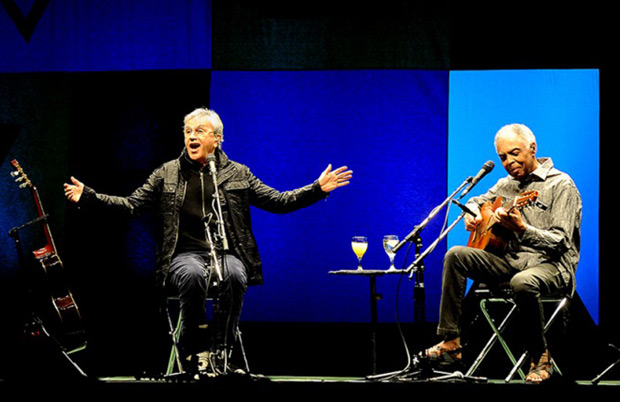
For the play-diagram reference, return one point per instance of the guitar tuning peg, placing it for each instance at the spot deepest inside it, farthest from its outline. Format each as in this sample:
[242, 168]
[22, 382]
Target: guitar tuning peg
[20, 178]
[23, 185]
[14, 173]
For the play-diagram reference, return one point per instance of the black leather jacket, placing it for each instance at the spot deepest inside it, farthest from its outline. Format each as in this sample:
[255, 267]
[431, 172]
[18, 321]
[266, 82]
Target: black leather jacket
[164, 191]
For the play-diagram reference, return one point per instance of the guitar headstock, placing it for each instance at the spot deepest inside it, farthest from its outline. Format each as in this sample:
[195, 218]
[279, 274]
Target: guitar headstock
[526, 199]
[20, 175]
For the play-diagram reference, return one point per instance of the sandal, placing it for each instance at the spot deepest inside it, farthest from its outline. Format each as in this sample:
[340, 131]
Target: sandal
[440, 353]
[542, 371]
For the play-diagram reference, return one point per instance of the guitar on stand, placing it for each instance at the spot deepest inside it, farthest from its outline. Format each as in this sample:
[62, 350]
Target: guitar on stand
[59, 318]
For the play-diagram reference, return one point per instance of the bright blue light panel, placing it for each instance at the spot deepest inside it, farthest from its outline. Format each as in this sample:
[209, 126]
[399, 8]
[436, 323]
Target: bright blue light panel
[116, 35]
[562, 109]
[390, 127]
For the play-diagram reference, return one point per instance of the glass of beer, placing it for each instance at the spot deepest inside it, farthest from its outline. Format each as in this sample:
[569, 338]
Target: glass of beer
[359, 245]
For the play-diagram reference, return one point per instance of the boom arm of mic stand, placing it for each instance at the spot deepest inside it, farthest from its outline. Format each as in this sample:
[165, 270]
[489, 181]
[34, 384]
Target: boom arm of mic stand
[412, 268]
[434, 212]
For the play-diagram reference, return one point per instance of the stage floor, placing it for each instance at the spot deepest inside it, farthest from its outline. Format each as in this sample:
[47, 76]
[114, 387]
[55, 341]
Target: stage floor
[286, 386]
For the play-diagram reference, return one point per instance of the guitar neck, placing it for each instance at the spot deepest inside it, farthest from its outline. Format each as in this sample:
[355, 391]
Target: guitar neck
[525, 200]
[41, 212]
[513, 206]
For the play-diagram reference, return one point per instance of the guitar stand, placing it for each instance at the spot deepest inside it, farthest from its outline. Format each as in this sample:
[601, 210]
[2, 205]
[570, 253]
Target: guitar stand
[36, 327]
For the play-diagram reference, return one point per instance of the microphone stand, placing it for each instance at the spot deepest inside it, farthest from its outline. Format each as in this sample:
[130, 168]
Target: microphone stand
[219, 222]
[212, 253]
[419, 292]
[221, 236]
[416, 267]
[220, 219]
[415, 233]
[434, 212]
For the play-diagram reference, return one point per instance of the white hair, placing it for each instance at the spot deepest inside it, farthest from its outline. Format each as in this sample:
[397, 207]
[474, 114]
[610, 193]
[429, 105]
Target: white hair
[521, 130]
[214, 119]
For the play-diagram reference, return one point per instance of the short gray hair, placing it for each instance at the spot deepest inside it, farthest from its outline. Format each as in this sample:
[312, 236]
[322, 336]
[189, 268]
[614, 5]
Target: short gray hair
[521, 130]
[214, 119]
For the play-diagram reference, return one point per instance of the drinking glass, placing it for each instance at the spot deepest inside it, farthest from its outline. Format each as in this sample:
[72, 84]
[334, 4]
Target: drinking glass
[359, 245]
[389, 241]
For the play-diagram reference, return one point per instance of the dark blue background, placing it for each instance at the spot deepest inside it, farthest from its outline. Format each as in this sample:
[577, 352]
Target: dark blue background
[389, 127]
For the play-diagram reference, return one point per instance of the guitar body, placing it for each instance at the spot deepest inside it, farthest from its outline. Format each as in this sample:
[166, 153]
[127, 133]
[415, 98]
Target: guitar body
[64, 315]
[491, 237]
[488, 236]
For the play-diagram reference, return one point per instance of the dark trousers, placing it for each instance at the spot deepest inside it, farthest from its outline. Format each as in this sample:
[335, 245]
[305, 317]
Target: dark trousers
[528, 286]
[189, 277]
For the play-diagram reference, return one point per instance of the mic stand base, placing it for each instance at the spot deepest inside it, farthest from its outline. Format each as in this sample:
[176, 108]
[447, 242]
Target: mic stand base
[421, 369]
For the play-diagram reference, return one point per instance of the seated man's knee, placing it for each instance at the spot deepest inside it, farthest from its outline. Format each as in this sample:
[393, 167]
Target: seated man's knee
[522, 283]
[191, 278]
[236, 272]
[459, 258]
[454, 255]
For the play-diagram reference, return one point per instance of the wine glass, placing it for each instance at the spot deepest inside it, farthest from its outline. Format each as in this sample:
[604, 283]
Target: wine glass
[389, 241]
[359, 245]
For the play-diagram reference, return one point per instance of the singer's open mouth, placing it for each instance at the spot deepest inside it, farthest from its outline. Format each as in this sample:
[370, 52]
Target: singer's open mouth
[194, 145]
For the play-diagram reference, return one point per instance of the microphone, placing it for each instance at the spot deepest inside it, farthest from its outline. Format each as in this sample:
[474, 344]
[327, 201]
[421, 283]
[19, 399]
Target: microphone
[486, 168]
[211, 162]
[464, 208]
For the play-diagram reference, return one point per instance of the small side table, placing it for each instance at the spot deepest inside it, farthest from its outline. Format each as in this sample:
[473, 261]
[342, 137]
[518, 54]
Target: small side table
[374, 296]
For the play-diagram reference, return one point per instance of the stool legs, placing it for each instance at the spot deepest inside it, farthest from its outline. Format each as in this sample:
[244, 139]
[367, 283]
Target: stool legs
[175, 357]
[174, 360]
[524, 356]
[497, 331]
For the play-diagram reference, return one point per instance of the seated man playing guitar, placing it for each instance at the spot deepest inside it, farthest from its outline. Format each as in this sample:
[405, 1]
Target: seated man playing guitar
[536, 248]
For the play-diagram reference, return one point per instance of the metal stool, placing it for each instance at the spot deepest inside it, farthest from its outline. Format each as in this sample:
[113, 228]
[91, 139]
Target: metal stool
[503, 295]
[175, 365]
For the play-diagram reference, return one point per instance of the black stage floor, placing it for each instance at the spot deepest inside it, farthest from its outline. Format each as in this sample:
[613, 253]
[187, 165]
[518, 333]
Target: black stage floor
[307, 359]
[283, 386]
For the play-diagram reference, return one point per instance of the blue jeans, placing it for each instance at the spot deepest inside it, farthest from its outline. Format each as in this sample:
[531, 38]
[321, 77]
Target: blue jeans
[190, 277]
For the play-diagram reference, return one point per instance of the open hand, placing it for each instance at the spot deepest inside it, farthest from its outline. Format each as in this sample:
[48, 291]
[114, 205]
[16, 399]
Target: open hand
[331, 180]
[74, 191]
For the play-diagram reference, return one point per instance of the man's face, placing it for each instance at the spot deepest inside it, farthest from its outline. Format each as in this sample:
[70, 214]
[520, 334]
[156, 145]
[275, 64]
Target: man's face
[199, 139]
[517, 156]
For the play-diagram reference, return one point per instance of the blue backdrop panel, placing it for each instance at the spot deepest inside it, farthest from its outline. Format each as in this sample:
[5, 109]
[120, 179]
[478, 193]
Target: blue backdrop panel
[390, 128]
[74, 35]
[562, 109]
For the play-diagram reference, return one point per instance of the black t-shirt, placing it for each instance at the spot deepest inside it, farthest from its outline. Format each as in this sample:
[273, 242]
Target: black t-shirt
[197, 208]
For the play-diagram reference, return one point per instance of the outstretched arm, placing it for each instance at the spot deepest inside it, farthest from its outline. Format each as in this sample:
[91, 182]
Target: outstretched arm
[142, 198]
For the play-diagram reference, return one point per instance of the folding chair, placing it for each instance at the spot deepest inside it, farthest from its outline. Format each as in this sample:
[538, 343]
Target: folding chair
[503, 295]
[175, 365]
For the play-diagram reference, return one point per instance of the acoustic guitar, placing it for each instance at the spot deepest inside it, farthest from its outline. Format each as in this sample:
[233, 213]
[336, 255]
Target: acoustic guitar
[491, 237]
[64, 316]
